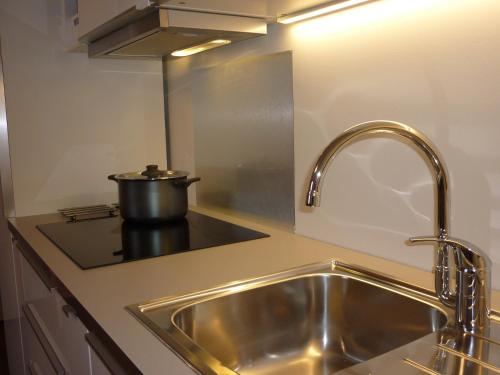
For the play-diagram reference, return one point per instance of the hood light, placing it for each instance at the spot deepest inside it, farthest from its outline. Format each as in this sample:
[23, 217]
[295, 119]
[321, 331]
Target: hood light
[319, 11]
[201, 47]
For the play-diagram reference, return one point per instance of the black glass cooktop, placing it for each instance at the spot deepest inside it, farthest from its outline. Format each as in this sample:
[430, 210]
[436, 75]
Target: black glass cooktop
[106, 241]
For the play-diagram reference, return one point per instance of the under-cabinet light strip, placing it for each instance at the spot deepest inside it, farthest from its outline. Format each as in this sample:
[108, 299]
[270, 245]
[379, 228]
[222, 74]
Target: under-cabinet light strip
[201, 47]
[319, 11]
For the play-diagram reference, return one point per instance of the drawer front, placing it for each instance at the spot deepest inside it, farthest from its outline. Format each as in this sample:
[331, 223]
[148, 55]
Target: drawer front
[98, 366]
[66, 331]
[35, 292]
[70, 337]
[40, 354]
[104, 360]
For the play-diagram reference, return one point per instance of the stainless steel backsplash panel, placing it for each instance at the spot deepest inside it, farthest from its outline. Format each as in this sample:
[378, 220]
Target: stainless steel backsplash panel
[244, 136]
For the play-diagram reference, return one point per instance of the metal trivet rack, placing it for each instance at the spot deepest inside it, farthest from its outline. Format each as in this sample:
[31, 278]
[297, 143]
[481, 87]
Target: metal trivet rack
[98, 211]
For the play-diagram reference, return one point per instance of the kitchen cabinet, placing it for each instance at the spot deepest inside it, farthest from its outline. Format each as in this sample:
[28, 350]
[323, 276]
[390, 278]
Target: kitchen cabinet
[37, 361]
[53, 336]
[67, 29]
[95, 13]
[98, 366]
[98, 357]
[9, 281]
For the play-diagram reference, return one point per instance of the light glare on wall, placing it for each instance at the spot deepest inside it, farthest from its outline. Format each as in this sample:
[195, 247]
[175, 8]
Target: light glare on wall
[201, 47]
[319, 11]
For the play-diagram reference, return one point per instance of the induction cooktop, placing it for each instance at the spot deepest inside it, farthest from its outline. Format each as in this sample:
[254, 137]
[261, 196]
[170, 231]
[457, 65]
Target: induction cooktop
[110, 240]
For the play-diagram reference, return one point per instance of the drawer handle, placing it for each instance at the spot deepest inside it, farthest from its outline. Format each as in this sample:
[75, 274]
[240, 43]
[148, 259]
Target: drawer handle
[34, 369]
[34, 321]
[69, 311]
[107, 358]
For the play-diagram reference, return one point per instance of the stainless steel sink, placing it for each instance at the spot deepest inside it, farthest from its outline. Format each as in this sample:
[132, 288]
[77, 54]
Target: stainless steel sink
[317, 319]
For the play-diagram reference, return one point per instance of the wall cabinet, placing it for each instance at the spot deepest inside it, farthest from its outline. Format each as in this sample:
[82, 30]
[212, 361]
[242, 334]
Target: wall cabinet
[94, 13]
[81, 17]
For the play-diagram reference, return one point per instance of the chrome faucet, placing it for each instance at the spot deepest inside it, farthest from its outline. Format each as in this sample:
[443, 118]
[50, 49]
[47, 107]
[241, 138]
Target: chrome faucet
[472, 279]
[472, 293]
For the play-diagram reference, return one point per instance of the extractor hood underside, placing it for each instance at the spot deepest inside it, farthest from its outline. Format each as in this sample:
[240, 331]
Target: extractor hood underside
[163, 31]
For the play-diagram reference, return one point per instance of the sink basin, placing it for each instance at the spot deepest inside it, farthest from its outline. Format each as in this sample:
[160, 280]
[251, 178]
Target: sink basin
[316, 319]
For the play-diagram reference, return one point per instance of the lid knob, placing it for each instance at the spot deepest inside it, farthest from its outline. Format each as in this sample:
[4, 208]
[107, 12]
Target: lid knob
[151, 171]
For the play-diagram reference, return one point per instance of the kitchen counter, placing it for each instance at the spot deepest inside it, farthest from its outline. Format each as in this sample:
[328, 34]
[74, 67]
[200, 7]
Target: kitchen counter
[104, 292]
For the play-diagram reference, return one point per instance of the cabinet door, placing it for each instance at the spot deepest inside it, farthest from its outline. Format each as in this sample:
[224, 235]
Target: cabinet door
[94, 13]
[106, 361]
[37, 361]
[40, 353]
[68, 27]
[98, 367]
[10, 282]
[70, 336]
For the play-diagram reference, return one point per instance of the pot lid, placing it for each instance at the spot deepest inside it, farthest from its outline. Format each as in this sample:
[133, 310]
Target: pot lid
[151, 173]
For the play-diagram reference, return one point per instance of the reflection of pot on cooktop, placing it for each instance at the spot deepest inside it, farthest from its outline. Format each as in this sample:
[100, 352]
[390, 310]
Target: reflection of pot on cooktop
[149, 240]
[106, 241]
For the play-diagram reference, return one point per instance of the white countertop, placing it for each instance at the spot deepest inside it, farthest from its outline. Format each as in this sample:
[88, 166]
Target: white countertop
[105, 291]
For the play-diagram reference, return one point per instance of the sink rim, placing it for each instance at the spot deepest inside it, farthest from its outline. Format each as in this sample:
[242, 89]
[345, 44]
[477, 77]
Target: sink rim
[203, 362]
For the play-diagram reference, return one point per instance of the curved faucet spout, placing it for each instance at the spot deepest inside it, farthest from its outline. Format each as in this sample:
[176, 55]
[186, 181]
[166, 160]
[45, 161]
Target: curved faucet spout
[438, 170]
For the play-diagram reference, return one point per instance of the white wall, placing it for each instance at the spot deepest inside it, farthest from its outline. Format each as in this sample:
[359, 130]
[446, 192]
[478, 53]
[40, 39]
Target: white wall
[73, 121]
[434, 65]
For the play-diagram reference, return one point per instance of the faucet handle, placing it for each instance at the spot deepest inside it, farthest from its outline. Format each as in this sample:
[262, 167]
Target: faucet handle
[472, 297]
[466, 255]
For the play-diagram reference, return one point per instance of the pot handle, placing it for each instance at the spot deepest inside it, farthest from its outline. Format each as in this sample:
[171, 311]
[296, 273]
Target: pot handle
[112, 177]
[187, 182]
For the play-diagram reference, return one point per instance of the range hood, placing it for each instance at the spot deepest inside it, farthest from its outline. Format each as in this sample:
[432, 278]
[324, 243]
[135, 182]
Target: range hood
[163, 31]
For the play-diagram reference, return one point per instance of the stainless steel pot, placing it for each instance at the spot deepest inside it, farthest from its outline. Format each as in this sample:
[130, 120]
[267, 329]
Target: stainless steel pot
[153, 195]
